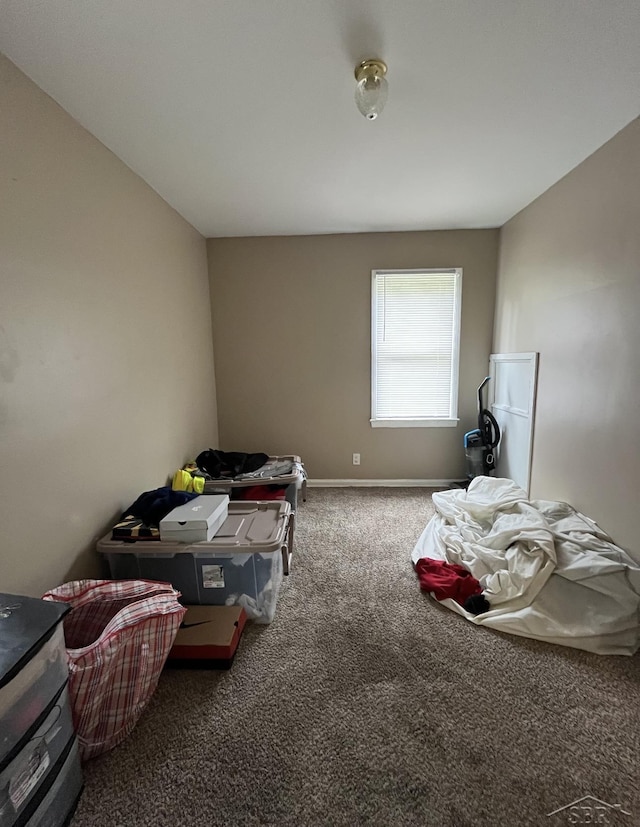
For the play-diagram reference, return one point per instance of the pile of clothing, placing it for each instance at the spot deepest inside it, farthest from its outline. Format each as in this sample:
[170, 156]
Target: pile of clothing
[211, 466]
[142, 519]
[214, 470]
[210, 470]
[229, 464]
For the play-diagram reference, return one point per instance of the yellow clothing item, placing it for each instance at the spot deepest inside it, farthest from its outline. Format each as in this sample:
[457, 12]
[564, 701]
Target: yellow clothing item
[183, 481]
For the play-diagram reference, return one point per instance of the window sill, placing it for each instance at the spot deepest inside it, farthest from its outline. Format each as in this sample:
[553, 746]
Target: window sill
[414, 423]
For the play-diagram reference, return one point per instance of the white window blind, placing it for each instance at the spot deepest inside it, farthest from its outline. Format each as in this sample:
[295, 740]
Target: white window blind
[415, 347]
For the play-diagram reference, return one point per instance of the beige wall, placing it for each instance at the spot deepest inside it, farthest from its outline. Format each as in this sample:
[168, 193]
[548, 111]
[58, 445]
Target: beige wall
[291, 320]
[106, 369]
[569, 287]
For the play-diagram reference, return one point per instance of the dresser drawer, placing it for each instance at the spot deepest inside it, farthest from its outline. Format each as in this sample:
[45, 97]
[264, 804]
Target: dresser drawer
[24, 698]
[28, 771]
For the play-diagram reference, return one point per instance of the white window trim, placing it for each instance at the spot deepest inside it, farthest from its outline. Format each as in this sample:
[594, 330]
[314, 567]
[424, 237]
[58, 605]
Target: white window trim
[414, 423]
[449, 422]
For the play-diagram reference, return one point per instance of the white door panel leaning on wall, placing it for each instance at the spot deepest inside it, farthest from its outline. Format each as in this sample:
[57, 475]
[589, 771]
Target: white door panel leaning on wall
[513, 396]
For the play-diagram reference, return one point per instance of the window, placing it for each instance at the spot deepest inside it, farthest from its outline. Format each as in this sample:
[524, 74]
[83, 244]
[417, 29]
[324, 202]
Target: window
[415, 341]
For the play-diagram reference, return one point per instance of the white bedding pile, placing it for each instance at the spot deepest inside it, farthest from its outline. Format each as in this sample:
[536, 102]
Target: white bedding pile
[548, 572]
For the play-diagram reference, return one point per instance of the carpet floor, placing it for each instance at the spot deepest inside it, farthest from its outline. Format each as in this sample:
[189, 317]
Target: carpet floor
[367, 703]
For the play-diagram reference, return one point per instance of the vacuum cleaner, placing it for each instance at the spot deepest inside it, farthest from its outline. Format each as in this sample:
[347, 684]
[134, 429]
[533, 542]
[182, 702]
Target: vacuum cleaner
[480, 444]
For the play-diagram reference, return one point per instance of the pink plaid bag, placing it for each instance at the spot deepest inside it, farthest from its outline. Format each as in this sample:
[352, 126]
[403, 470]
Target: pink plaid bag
[118, 635]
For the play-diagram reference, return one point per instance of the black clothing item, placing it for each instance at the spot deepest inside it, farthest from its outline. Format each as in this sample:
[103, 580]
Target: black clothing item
[477, 604]
[152, 506]
[228, 464]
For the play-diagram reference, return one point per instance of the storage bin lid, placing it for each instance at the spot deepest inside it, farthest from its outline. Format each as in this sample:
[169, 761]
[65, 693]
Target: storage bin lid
[25, 624]
[258, 527]
[253, 526]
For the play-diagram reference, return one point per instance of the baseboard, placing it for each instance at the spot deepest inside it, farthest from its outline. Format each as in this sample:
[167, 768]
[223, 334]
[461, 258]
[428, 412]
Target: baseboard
[380, 483]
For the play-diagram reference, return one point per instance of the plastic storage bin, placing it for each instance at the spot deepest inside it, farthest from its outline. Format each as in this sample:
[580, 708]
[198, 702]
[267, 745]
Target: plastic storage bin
[295, 480]
[242, 565]
[37, 739]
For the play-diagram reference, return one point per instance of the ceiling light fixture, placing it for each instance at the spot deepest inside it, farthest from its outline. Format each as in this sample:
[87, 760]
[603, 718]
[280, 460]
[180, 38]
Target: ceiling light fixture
[372, 88]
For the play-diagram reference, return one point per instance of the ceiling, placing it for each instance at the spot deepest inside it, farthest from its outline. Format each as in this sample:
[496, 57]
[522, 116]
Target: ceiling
[240, 113]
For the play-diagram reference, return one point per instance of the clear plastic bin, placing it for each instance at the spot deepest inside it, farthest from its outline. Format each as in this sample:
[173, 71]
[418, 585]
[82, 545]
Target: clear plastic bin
[242, 565]
[295, 480]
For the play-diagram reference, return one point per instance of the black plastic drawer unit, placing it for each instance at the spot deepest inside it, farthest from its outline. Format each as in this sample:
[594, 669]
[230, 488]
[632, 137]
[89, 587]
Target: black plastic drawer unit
[40, 775]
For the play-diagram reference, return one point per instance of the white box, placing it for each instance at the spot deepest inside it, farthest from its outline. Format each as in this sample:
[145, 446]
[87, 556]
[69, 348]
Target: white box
[196, 521]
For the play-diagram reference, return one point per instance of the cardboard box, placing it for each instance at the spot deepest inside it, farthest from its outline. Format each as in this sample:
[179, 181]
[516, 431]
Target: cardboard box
[196, 521]
[208, 637]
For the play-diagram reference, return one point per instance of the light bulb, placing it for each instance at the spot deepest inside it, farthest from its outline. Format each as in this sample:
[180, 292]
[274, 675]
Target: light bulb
[372, 88]
[371, 96]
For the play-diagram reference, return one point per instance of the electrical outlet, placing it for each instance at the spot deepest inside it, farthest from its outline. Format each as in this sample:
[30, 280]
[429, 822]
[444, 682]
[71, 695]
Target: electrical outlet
[356, 459]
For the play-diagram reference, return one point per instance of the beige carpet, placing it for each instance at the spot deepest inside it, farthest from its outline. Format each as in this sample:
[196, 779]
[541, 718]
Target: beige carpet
[366, 703]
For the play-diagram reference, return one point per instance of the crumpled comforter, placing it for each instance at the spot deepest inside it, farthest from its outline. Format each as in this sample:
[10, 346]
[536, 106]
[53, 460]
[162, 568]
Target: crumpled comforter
[549, 572]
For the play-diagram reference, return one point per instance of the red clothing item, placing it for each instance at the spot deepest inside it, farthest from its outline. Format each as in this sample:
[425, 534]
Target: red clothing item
[446, 580]
[260, 492]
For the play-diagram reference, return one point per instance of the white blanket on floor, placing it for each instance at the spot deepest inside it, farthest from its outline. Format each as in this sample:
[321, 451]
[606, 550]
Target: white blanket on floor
[548, 571]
